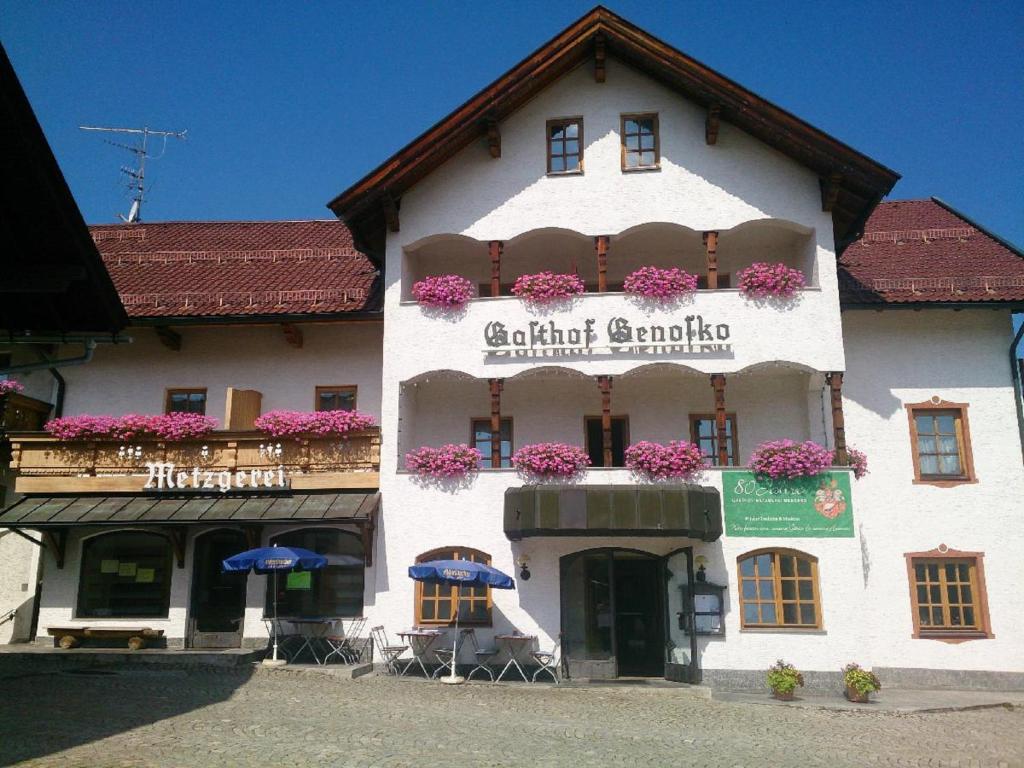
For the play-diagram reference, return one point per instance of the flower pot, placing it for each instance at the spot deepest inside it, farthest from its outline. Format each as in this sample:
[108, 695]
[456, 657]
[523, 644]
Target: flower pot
[852, 694]
[783, 695]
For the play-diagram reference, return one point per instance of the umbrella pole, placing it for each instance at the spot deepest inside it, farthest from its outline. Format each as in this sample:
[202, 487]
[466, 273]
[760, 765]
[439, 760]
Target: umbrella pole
[275, 614]
[452, 678]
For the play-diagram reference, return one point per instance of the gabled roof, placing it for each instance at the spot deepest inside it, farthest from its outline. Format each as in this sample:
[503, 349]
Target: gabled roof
[243, 269]
[925, 252]
[859, 181]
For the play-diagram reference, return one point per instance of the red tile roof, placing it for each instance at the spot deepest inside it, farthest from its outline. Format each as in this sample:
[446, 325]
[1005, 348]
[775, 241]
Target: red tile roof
[246, 268]
[923, 251]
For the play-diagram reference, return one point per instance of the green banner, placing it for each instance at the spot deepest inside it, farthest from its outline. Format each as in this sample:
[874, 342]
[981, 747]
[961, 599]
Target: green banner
[814, 507]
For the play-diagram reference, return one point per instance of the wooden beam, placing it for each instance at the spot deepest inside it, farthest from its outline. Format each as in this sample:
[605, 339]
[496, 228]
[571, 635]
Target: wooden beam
[495, 248]
[711, 123]
[292, 334]
[601, 246]
[604, 383]
[711, 251]
[177, 536]
[493, 137]
[835, 385]
[496, 387]
[830, 189]
[56, 541]
[718, 384]
[168, 337]
[599, 58]
[390, 206]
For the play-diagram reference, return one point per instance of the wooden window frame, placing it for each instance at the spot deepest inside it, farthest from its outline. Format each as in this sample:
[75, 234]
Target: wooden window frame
[731, 417]
[353, 388]
[170, 391]
[562, 121]
[625, 434]
[622, 141]
[511, 435]
[434, 554]
[983, 630]
[777, 590]
[966, 453]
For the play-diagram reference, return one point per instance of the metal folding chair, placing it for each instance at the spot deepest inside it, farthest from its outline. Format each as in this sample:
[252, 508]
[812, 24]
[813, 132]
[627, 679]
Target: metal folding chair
[548, 661]
[482, 655]
[344, 645]
[388, 653]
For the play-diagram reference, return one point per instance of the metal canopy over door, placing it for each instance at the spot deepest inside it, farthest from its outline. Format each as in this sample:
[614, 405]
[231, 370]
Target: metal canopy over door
[217, 605]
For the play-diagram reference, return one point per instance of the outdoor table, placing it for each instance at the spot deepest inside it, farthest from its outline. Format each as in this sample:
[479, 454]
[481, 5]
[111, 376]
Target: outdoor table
[312, 631]
[516, 645]
[419, 641]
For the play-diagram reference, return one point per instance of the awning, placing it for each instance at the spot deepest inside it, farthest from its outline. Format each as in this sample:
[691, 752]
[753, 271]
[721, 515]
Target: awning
[690, 511]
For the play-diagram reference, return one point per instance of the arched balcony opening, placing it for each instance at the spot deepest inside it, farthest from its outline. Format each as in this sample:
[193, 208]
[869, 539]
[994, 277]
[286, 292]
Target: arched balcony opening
[657, 244]
[548, 250]
[445, 255]
[766, 240]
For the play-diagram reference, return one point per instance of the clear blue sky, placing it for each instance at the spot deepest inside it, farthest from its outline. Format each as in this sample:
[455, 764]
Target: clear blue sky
[286, 104]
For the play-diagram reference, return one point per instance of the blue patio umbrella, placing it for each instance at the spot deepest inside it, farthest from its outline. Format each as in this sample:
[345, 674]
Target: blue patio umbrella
[271, 560]
[459, 573]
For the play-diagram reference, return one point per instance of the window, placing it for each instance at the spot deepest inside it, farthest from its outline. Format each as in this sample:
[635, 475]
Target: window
[185, 401]
[947, 595]
[940, 443]
[481, 440]
[126, 574]
[435, 602]
[595, 440]
[565, 145]
[640, 148]
[336, 590]
[779, 588]
[704, 434]
[335, 398]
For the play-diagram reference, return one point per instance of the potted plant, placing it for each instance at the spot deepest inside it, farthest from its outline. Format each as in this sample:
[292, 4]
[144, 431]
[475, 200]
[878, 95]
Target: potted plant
[443, 291]
[550, 460]
[130, 426]
[762, 280]
[448, 461]
[295, 424]
[677, 460]
[858, 462]
[860, 683]
[659, 284]
[783, 679]
[547, 286]
[7, 386]
[788, 459]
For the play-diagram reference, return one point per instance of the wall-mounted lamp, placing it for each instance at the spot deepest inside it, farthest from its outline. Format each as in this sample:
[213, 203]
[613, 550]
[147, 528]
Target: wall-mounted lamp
[524, 571]
[701, 575]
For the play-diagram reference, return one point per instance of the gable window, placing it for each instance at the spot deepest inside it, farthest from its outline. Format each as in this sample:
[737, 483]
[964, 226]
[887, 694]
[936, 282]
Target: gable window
[940, 443]
[947, 595]
[125, 574]
[640, 145]
[185, 400]
[595, 440]
[565, 145]
[336, 590]
[481, 440]
[335, 398]
[779, 588]
[435, 603]
[704, 434]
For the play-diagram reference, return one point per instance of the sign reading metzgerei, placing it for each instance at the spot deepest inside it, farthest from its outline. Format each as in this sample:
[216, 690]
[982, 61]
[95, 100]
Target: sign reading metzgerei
[546, 338]
[165, 476]
[815, 507]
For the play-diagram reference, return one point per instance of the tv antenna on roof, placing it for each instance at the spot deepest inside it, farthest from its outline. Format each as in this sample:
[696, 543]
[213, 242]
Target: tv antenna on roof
[136, 175]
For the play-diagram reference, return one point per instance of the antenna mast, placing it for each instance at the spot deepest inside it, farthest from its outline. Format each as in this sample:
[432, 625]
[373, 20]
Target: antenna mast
[136, 175]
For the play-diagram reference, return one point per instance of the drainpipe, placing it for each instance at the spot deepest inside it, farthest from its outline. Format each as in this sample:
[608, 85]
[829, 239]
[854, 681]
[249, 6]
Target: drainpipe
[58, 400]
[1018, 386]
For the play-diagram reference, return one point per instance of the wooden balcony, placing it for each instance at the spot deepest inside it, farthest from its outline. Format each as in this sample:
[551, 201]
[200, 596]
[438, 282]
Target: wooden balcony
[19, 412]
[46, 465]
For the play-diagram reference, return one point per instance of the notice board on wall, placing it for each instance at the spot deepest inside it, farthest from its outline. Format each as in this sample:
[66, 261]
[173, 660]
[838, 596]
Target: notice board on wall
[812, 507]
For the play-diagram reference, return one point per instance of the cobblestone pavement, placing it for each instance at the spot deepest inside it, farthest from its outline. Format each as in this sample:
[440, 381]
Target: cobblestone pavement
[149, 718]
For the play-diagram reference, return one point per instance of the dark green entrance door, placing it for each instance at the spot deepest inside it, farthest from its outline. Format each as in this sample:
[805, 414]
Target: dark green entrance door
[639, 617]
[217, 606]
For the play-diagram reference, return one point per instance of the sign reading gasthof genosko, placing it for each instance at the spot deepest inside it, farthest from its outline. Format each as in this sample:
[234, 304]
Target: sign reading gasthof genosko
[813, 507]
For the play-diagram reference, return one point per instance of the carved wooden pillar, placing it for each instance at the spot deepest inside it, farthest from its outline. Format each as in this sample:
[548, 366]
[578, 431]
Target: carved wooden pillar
[495, 248]
[718, 384]
[604, 383]
[496, 387]
[835, 385]
[711, 249]
[601, 246]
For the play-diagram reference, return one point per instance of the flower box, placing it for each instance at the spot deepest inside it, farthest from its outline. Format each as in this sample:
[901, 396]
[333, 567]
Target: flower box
[858, 462]
[9, 386]
[788, 459]
[660, 284]
[677, 460]
[318, 423]
[762, 280]
[131, 426]
[447, 461]
[443, 291]
[550, 460]
[547, 286]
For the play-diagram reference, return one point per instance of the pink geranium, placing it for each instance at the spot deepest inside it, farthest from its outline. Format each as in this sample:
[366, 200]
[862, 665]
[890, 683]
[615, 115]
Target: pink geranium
[170, 426]
[763, 280]
[679, 459]
[320, 423]
[443, 291]
[858, 462]
[182, 426]
[447, 461]
[789, 459]
[550, 460]
[547, 286]
[7, 386]
[662, 284]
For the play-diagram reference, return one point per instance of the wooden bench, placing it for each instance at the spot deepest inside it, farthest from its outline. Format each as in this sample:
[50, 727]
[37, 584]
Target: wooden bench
[71, 637]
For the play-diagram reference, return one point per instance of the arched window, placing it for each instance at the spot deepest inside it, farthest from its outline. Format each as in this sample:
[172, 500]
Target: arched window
[336, 590]
[125, 574]
[779, 588]
[435, 603]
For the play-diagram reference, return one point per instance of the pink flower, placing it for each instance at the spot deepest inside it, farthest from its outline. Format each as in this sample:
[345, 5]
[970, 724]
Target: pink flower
[547, 286]
[655, 283]
[170, 426]
[320, 423]
[443, 291]
[453, 460]
[788, 459]
[858, 462]
[7, 386]
[550, 460]
[678, 459]
[762, 280]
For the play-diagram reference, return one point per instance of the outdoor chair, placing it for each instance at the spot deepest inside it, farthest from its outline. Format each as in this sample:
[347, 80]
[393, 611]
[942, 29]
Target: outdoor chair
[482, 656]
[449, 656]
[548, 661]
[344, 645]
[388, 653]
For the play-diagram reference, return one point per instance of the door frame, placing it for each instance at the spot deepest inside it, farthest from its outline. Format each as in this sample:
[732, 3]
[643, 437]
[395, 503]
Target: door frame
[191, 633]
